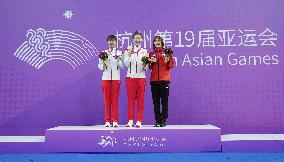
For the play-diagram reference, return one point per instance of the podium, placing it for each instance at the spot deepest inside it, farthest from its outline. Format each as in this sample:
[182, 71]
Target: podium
[172, 138]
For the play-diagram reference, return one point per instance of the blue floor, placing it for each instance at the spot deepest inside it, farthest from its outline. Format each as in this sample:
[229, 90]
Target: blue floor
[144, 157]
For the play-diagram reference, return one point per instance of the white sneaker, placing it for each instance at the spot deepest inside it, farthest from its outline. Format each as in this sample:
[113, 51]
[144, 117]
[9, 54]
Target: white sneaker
[115, 124]
[107, 124]
[138, 124]
[130, 123]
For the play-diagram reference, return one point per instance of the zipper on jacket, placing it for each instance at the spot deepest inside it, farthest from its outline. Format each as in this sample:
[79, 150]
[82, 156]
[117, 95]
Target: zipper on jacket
[159, 69]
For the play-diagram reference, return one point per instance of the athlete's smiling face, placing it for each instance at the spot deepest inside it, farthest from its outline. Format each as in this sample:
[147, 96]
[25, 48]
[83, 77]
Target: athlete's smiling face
[157, 43]
[137, 39]
[111, 44]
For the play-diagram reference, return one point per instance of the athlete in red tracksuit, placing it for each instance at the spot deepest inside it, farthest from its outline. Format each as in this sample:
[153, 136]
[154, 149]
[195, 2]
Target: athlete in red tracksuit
[160, 80]
[135, 79]
[111, 81]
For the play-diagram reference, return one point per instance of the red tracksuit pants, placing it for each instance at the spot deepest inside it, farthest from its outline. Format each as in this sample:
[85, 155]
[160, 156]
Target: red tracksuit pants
[111, 93]
[135, 91]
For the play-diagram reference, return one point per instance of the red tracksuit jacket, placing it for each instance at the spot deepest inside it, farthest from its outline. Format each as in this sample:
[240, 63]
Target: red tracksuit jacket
[160, 69]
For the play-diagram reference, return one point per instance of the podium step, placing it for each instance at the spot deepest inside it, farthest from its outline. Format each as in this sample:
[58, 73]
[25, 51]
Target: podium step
[172, 138]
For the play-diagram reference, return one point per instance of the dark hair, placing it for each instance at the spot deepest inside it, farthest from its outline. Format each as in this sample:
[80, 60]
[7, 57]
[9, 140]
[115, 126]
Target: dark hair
[160, 38]
[112, 37]
[136, 33]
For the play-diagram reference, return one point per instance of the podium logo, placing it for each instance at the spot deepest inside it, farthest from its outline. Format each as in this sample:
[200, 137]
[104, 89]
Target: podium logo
[107, 141]
[43, 46]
